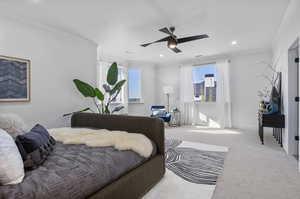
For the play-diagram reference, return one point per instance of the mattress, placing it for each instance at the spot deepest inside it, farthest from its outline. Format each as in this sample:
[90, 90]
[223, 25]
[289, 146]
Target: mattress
[73, 172]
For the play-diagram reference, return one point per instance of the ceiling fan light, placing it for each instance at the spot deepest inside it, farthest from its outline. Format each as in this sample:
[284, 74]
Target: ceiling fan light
[172, 46]
[172, 43]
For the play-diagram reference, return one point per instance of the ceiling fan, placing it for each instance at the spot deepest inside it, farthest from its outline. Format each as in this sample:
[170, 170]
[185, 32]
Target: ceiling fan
[173, 41]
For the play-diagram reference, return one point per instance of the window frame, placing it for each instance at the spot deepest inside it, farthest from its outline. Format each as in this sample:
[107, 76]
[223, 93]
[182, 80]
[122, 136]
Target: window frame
[216, 79]
[141, 100]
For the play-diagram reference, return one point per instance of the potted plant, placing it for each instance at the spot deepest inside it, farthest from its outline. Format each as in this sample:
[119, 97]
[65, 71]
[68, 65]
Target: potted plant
[112, 89]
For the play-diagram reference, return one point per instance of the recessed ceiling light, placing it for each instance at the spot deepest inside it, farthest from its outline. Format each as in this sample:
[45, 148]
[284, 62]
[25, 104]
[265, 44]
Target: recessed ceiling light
[161, 55]
[234, 43]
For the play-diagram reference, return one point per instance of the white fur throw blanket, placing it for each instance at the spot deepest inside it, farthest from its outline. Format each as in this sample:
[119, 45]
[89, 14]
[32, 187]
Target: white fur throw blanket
[120, 140]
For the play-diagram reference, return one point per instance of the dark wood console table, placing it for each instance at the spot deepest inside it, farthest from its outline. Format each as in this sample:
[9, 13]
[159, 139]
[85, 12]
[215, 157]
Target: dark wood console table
[275, 121]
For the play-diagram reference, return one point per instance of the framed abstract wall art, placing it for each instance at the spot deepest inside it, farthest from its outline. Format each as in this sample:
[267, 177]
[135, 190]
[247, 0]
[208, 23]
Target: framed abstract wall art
[14, 79]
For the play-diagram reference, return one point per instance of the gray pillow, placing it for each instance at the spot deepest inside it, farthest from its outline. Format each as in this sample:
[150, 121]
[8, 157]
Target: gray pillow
[35, 146]
[12, 124]
[11, 163]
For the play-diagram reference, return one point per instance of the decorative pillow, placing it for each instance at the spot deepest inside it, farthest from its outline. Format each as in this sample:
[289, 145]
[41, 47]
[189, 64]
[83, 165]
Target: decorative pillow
[12, 124]
[35, 146]
[11, 164]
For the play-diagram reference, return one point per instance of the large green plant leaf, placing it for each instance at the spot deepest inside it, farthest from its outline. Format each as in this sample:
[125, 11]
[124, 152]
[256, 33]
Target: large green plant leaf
[106, 88]
[107, 111]
[99, 94]
[117, 109]
[85, 89]
[112, 74]
[117, 87]
[115, 96]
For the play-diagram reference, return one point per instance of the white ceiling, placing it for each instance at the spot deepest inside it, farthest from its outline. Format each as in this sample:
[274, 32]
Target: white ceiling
[120, 26]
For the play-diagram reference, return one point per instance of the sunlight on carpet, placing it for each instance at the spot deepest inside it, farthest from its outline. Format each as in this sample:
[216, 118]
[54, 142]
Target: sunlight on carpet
[214, 131]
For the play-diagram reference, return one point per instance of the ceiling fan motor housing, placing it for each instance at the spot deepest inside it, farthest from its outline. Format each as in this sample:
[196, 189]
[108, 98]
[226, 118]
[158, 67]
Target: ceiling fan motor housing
[172, 29]
[172, 43]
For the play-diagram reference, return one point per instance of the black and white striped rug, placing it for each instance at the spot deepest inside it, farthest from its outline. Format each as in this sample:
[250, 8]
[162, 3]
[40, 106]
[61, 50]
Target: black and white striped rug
[192, 170]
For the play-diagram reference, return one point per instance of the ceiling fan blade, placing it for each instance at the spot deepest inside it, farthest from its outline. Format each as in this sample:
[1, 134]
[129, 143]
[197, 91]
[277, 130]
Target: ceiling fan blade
[145, 45]
[176, 50]
[192, 38]
[166, 30]
[161, 40]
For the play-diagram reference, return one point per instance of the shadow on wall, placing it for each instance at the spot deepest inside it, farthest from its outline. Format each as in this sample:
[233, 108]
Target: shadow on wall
[206, 115]
[206, 121]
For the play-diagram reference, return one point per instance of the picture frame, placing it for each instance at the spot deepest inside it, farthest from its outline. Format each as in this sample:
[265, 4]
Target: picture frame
[15, 79]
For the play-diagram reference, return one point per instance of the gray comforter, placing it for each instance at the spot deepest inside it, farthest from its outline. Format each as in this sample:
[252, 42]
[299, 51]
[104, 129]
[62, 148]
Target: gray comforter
[73, 172]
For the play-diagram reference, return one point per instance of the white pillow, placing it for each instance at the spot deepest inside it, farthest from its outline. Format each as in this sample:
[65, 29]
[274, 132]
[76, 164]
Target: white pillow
[12, 124]
[11, 163]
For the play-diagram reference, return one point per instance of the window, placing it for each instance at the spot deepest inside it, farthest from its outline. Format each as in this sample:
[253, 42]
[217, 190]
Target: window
[134, 86]
[205, 83]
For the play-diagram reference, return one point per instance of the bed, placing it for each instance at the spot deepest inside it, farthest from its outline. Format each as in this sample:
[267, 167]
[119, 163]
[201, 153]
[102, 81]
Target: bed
[79, 171]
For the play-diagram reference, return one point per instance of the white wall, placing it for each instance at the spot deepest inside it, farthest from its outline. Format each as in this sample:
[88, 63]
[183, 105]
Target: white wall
[167, 75]
[148, 88]
[288, 33]
[56, 59]
[245, 83]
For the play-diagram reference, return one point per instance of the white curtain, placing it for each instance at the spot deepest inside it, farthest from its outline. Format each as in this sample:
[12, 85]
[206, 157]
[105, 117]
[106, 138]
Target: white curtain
[101, 76]
[186, 95]
[102, 71]
[223, 93]
[217, 114]
[125, 91]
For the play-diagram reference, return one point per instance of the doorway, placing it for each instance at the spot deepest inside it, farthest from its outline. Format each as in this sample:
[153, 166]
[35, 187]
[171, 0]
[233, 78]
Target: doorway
[294, 119]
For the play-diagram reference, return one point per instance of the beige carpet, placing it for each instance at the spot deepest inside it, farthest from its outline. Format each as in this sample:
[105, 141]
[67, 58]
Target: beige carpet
[192, 169]
[252, 171]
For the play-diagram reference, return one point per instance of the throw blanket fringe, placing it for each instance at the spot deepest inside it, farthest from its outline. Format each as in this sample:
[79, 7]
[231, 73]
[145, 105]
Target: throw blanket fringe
[120, 140]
